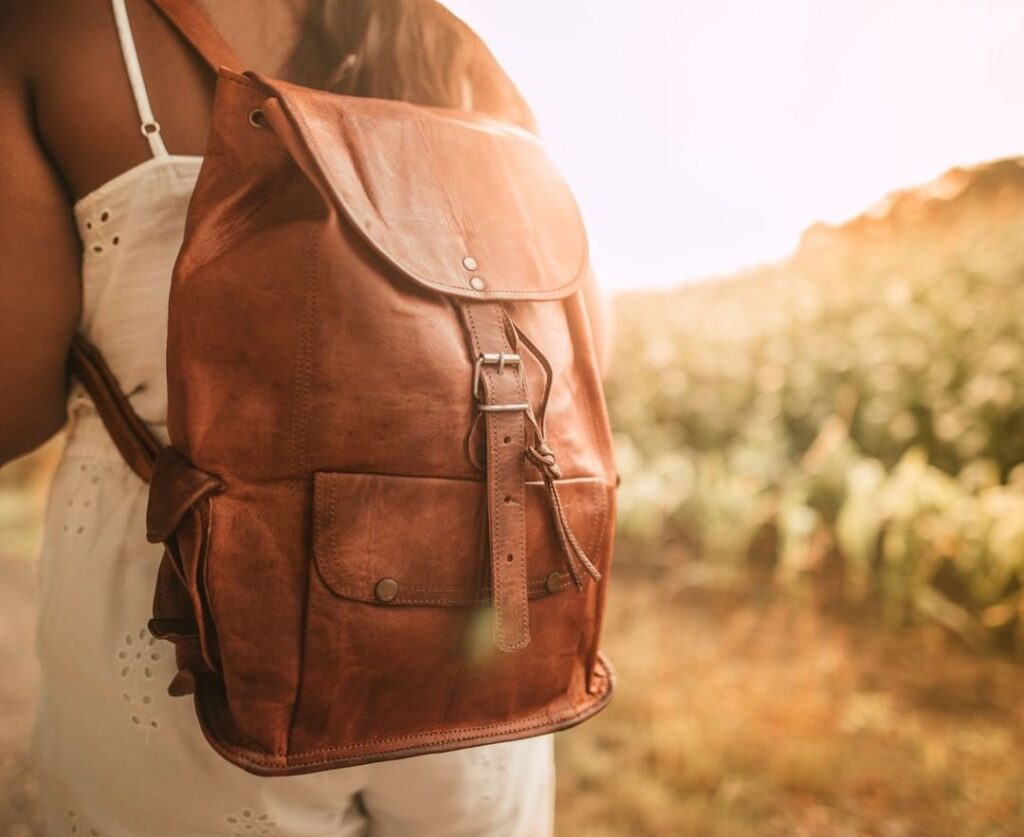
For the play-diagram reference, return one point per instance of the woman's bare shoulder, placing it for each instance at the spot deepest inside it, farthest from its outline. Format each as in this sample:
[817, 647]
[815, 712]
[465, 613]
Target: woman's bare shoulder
[35, 34]
[39, 284]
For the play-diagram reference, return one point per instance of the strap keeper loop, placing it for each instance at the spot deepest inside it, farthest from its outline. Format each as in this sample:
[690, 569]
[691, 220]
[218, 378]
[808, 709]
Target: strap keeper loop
[503, 408]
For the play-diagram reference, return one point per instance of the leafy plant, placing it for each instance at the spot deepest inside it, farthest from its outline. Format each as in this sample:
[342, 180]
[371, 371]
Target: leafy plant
[865, 396]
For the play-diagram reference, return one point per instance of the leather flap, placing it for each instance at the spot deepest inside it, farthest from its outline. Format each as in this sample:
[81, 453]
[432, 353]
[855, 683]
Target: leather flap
[176, 487]
[423, 541]
[459, 202]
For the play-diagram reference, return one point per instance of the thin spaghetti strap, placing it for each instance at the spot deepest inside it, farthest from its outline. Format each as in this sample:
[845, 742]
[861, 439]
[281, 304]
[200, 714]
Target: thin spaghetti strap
[150, 127]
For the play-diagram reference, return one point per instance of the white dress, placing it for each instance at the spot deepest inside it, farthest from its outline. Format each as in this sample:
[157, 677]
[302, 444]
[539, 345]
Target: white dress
[117, 756]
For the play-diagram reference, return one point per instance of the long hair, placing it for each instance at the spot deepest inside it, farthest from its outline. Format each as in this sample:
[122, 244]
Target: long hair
[412, 50]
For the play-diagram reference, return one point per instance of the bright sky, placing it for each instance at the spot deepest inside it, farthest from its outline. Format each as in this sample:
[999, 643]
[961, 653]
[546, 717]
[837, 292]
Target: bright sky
[701, 137]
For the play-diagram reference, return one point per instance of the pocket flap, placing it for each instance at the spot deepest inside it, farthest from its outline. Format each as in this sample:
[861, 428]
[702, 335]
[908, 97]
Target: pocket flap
[423, 540]
[462, 203]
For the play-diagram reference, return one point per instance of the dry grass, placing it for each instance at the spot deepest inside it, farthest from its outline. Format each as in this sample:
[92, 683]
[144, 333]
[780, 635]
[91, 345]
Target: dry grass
[739, 717]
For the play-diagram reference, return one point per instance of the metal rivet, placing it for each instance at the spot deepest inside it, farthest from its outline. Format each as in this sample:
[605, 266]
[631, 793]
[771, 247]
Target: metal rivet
[257, 119]
[386, 589]
[469, 263]
[477, 283]
[553, 582]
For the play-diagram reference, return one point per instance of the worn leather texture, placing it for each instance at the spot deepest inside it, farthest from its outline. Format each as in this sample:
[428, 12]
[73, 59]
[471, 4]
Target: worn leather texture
[389, 500]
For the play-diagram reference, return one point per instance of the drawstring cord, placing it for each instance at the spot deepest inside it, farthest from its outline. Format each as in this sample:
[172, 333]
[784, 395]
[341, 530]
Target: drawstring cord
[541, 455]
[544, 458]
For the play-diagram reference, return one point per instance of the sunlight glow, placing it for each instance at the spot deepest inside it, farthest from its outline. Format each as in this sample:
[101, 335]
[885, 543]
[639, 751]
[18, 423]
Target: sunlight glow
[704, 137]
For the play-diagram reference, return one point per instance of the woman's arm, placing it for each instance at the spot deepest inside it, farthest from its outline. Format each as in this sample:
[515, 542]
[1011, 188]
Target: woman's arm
[40, 288]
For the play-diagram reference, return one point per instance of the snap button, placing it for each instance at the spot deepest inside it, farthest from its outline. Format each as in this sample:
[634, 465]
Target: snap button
[553, 582]
[469, 263]
[477, 283]
[386, 589]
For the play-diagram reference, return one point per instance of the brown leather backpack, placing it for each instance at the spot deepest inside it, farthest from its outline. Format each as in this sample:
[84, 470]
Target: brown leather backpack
[389, 500]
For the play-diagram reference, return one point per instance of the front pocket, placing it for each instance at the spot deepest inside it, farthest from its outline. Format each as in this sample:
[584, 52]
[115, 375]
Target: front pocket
[395, 540]
[398, 625]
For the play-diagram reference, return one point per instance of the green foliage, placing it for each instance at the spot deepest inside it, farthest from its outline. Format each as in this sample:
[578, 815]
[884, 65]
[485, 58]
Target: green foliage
[865, 399]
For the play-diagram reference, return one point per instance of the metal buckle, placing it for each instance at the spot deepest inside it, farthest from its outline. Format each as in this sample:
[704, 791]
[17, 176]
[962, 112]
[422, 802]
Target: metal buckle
[501, 360]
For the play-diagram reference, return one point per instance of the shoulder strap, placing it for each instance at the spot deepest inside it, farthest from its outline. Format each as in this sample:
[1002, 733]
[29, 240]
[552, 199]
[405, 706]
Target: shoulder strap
[133, 439]
[195, 27]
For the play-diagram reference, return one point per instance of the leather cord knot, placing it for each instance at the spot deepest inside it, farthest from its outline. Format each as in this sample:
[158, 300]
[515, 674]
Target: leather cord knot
[544, 458]
[541, 454]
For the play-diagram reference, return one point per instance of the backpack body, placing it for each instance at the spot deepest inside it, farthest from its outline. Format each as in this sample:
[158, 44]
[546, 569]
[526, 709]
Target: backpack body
[389, 498]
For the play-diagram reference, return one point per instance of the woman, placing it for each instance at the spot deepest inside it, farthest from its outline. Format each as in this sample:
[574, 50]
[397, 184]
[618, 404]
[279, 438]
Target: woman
[105, 112]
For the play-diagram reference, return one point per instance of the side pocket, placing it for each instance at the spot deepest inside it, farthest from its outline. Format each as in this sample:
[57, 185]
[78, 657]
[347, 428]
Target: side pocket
[180, 515]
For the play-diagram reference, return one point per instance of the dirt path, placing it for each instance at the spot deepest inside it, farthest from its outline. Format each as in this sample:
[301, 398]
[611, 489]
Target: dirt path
[19, 680]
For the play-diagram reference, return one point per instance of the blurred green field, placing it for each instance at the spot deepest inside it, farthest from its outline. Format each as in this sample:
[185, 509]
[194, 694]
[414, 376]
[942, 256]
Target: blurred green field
[857, 410]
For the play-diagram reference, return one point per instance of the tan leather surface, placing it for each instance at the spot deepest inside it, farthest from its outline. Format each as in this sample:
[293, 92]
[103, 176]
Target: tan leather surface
[339, 505]
[176, 488]
[368, 527]
[475, 185]
[500, 391]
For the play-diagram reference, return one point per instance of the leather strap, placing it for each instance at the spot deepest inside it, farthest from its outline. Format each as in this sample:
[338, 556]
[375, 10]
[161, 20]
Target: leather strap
[131, 436]
[197, 29]
[503, 385]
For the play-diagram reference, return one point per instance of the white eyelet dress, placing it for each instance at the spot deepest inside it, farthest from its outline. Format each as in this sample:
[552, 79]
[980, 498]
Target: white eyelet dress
[117, 756]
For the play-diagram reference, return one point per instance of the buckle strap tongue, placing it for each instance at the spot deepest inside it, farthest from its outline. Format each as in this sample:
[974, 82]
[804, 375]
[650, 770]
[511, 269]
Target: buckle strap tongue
[501, 398]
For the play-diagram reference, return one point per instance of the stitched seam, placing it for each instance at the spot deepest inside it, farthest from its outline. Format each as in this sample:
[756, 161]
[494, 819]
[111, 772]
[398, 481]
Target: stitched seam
[248, 84]
[455, 588]
[498, 569]
[303, 366]
[536, 587]
[332, 514]
[303, 651]
[518, 422]
[412, 602]
[332, 537]
[600, 490]
[209, 633]
[520, 726]
[523, 603]
[492, 519]
[493, 466]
